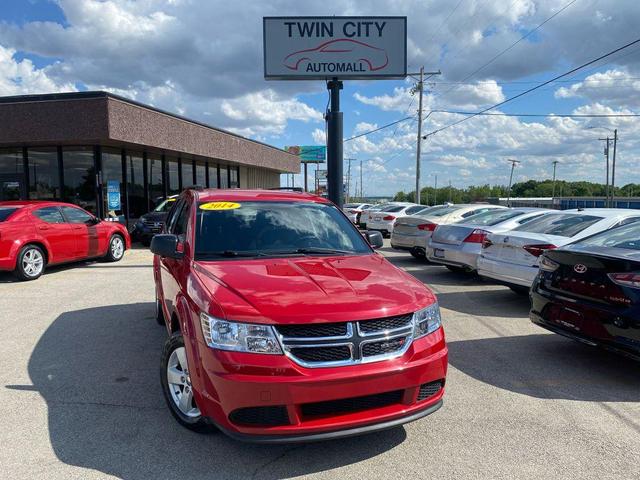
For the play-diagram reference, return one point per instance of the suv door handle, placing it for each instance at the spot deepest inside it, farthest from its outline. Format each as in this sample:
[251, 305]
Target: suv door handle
[43, 227]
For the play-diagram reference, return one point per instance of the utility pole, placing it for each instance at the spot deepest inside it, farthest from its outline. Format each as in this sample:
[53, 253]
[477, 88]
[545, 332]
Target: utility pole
[613, 169]
[450, 191]
[606, 154]
[361, 194]
[349, 178]
[513, 166]
[553, 194]
[435, 191]
[419, 88]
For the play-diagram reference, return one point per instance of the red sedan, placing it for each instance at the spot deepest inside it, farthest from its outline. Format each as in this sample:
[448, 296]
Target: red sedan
[35, 234]
[285, 325]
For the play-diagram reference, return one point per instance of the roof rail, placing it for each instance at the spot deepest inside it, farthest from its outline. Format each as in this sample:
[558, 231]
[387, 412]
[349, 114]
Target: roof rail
[289, 189]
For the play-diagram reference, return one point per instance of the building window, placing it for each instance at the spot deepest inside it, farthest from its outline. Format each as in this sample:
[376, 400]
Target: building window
[79, 177]
[154, 178]
[135, 185]
[201, 174]
[233, 177]
[44, 176]
[187, 173]
[213, 175]
[173, 176]
[11, 161]
[112, 172]
[224, 177]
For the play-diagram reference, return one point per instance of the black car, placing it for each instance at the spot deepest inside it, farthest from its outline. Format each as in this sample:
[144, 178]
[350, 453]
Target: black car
[590, 291]
[151, 223]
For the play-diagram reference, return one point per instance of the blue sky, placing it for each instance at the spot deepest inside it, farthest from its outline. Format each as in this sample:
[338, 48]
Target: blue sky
[175, 54]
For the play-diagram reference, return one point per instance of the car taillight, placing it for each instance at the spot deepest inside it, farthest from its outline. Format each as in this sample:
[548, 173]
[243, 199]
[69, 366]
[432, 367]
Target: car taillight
[429, 227]
[626, 279]
[539, 249]
[477, 236]
[389, 217]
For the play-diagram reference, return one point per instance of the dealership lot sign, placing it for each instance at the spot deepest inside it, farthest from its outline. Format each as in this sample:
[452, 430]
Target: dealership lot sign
[306, 48]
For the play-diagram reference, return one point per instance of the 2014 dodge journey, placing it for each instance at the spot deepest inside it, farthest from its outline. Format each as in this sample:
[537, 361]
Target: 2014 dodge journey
[285, 325]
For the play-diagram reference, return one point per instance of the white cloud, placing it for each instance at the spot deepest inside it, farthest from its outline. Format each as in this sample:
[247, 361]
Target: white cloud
[617, 87]
[398, 101]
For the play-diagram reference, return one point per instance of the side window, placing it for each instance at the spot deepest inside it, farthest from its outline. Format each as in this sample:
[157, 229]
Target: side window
[172, 215]
[180, 226]
[528, 219]
[412, 210]
[49, 215]
[75, 215]
[473, 212]
[627, 221]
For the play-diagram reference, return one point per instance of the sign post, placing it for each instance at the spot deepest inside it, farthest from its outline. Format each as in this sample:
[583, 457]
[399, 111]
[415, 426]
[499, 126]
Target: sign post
[308, 154]
[334, 49]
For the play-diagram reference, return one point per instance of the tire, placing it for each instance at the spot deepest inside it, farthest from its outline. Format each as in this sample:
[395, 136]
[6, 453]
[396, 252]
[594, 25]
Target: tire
[116, 248]
[456, 269]
[417, 253]
[146, 242]
[185, 411]
[159, 312]
[520, 290]
[30, 263]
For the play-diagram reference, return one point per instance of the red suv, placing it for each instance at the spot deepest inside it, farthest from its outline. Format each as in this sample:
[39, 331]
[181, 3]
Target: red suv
[35, 234]
[285, 325]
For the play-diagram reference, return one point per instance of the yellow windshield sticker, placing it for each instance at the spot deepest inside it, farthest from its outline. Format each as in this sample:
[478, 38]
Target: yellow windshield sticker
[171, 199]
[219, 206]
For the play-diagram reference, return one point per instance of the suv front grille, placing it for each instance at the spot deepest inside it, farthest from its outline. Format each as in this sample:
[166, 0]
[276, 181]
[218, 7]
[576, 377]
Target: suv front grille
[429, 390]
[266, 416]
[347, 343]
[350, 405]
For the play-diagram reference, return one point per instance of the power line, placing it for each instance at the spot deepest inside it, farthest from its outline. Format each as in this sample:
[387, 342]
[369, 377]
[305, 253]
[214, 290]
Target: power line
[549, 115]
[510, 99]
[378, 129]
[518, 41]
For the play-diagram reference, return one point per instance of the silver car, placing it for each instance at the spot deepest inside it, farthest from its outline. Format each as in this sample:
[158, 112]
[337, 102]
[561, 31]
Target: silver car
[413, 233]
[459, 245]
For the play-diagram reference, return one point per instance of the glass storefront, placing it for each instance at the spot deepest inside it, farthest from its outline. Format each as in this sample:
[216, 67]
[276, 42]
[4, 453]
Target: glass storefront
[112, 172]
[173, 177]
[11, 161]
[44, 175]
[135, 185]
[201, 174]
[233, 177]
[187, 173]
[224, 176]
[79, 175]
[213, 175]
[154, 179]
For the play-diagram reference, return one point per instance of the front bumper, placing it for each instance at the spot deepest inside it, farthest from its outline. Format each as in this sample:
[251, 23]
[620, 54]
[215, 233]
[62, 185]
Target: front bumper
[509, 273]
[234, 381]
[464, 255]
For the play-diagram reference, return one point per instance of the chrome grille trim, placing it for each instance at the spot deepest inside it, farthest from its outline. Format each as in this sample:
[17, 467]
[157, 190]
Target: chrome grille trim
[355, 340]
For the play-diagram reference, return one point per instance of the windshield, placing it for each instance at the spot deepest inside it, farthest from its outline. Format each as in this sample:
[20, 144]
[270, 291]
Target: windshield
[622, 237]
[165, 206]
[395, 208]
[429, 210]
[274, 228]
[562, 225]
[5, 212]
[492, 217]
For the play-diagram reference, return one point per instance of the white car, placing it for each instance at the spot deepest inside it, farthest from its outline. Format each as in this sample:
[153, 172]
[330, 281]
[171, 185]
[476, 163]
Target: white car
[458, 246]
[367, 216]
[413, 233]
[383, 220]
[512, 257]
[354, 210]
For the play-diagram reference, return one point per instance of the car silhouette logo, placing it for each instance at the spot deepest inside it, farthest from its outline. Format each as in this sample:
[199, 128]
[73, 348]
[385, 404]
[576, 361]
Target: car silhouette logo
[579, 268]
[355, 51]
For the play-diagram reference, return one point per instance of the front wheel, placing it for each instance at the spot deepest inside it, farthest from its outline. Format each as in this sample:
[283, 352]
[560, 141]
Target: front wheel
[176, 385]
[115, 252]
[520, 290]
[30, 263]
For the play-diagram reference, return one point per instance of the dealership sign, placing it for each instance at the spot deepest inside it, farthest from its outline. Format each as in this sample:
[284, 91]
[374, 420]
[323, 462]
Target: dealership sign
[309, 153]
[306, 48]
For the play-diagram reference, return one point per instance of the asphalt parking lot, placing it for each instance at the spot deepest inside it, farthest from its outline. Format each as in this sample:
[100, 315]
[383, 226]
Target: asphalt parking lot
[81, 397]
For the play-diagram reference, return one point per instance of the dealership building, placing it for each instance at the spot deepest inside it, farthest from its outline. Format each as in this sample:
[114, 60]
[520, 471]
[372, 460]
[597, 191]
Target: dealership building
[101, 151]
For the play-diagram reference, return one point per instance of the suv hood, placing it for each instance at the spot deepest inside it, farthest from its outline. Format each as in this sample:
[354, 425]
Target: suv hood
[311, 289]
[154, 217]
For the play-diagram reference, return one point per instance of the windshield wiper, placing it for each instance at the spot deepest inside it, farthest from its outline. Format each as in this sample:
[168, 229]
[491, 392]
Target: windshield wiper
[232, 253]
[322, 251]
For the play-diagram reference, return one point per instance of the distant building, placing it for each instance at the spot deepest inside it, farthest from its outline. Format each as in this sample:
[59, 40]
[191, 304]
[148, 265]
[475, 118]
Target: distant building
[566, 203]
[71, 146]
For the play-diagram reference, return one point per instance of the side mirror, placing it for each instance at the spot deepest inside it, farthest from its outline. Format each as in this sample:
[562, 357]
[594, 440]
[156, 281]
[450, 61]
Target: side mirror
[166, 245]
[374, 239]
[94, 221]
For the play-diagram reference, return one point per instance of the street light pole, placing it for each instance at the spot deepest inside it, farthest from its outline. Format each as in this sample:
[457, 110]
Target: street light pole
[613, 168]
[606, 154]
[513, 166]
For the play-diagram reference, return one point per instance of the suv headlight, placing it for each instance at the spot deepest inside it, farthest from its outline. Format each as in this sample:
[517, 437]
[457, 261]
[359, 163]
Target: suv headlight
[239, 337]
[426, 321]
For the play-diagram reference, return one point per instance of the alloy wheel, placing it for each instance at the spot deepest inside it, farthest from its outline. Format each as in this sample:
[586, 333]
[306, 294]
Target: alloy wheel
[117, 248]
[180, 383]
[32, 262]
